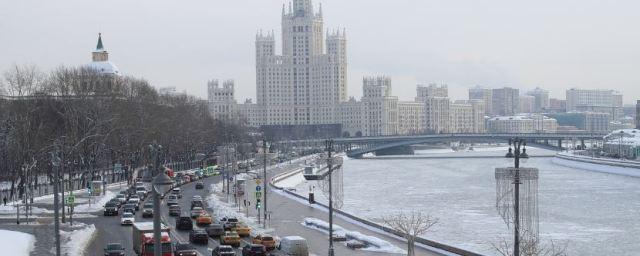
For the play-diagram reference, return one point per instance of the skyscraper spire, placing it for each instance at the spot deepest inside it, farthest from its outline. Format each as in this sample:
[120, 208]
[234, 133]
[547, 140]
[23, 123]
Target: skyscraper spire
[320, 10]
[99, 47]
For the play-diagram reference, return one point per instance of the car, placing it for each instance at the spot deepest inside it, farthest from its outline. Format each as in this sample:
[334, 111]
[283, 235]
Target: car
[174, 210]
[242, 230]
[135, 199]
[204, 219]
[223, 250]
[254, 250]
[230, 238]
[196, 198]
[110, 209]
[185, 249]
[196, 211]
[127, 218]
[129, 207]
[267, 240]
[147, 210]
[114, 249]
[294, 245]
[199, 185]
[184, 223]
[197, 203]
[228, 223]
[116, 201]
[122, 198]
[141, 189]
[198, 236]
[172, 199]
[215, 230]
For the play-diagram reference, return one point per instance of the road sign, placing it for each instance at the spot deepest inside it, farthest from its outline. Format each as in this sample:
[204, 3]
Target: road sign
[258, 181]
[258, 188]
[258, 195]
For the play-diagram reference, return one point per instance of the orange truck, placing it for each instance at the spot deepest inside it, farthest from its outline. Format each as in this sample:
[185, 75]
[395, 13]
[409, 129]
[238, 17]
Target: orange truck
[143, 240]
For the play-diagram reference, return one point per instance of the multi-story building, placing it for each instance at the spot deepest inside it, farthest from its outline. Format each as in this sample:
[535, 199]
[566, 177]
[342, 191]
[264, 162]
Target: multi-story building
[432, 90]
[607, 101]
[557, 106]
[410, 117]
[527, 104]
[353, 118]
[623, 143]
[461, 118]
[484, 94]
[541, 101]
[585, 121]
[505, 101]
[521, 124]
[222, 102]
[381, 108]
[638, 114]
[305, 84]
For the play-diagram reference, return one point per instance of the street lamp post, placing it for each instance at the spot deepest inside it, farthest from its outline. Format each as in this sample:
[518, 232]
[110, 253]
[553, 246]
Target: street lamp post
[55, 163]
[620, 145]
[329, 147]
[516, 155]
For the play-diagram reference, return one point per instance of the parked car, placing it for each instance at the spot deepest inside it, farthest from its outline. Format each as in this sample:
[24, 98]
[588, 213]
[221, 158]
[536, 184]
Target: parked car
[199, 185]
[242, 229]
[215, 230]
[147, 210]
[267, 240]
[185, 249]
[127, 218]
[172, 199]
[196, 211]
[110, 209]
[198, 236]
[294, 246]
[254, 250]
[230, 238]
[174, 210]
[223, 250]
[184, 223]
[204, 219]
[114, 249]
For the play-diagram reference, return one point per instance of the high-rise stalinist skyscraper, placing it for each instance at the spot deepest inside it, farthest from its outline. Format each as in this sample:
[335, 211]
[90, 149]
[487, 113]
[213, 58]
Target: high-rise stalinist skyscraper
[307, 82]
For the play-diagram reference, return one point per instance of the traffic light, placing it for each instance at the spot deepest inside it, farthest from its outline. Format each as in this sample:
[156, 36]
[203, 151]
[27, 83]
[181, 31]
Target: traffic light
[258, 203]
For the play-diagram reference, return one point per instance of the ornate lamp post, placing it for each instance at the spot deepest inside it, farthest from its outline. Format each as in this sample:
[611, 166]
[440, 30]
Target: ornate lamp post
[519, 151]
[161, 183]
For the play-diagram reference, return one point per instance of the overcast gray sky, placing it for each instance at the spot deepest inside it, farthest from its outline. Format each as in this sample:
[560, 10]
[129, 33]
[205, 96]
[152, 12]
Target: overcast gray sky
[554, 44]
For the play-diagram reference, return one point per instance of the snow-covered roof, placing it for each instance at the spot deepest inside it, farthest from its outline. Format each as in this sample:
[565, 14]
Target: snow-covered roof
[104, 67]
[629, 137]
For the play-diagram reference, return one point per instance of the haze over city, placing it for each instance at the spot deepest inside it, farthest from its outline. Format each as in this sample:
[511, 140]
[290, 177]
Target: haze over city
[551, 44]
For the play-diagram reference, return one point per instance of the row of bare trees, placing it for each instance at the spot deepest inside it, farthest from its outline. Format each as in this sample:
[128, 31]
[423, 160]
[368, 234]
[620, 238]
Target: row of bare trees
[95, 121]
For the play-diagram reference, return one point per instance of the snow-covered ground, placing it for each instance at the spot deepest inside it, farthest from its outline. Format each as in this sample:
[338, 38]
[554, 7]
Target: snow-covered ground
[16, 243]
[633, 172]
[586, 210]
[97, 203]
[373, 243]
[75, 242]
[223, 209]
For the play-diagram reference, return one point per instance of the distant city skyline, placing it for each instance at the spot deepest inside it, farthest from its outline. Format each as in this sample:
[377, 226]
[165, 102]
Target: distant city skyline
[552, 45]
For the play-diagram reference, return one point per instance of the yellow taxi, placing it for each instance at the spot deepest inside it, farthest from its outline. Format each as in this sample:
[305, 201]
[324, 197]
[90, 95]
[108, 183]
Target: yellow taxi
[242, 230]
[267, 240]
[230, 238]
[204, 219]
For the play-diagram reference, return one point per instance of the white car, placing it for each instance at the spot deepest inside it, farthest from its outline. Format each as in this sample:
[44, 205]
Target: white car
[127, 219]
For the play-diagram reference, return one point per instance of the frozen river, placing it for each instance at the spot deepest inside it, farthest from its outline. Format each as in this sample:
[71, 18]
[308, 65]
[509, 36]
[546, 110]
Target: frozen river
[593, 213]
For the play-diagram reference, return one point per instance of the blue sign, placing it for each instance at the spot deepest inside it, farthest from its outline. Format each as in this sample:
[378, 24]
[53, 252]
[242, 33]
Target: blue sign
[258, 188]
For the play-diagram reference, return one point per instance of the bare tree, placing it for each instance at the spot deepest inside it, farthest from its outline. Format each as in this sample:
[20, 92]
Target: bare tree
[532, 247]
[410, 225]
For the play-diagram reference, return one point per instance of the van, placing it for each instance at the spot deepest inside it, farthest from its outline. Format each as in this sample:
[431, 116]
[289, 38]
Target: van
[294, 246]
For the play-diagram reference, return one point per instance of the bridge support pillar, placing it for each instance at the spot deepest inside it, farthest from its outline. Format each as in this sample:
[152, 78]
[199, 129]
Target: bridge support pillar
[560, 144]
[582, 145]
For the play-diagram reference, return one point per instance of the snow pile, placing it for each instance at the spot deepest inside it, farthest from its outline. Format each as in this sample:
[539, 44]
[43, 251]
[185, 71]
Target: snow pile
[96, 203]
[16, 243]
[11, 210]
[223, 209]
[75, 242]
[371, 243]
[291, 181]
